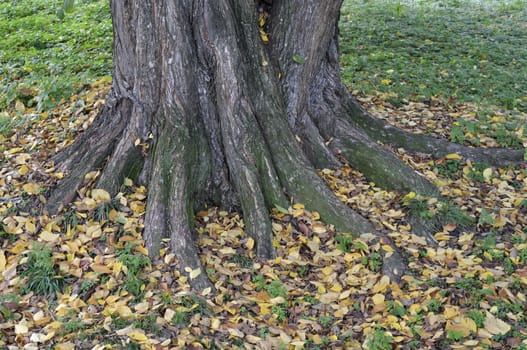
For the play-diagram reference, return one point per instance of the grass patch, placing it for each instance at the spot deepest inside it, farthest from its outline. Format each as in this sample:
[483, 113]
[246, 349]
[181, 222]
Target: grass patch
[472, 50]
[45, 56]
[436, 213]
[41, 275]
[135, 264]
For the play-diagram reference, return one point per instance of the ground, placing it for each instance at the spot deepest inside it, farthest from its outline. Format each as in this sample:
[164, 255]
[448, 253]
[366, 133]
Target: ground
[83, 279]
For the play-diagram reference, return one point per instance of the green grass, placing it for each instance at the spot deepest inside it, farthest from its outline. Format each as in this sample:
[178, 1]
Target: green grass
[44, 58]
[135, 264]
[41, 275]
[474, 50]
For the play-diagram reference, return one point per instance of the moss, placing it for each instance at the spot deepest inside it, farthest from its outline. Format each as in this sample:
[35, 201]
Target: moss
[384, 168]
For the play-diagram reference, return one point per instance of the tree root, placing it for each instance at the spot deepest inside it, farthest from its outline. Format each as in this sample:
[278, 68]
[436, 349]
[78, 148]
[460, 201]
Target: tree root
[382, 131]
[75, 161]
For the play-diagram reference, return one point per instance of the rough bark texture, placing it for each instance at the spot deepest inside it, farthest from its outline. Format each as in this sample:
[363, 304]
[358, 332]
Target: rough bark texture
[225, 119]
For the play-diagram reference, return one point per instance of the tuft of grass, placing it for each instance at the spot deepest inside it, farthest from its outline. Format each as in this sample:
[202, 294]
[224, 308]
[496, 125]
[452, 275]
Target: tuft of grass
[41, 275]
[243, 260]
[379, 340]
[436, 213]
[276, 289]
[6, 125]
[344, 242]
[135, 263]
[373, 261]
[434, 305]
[478, 317]
[449, 169]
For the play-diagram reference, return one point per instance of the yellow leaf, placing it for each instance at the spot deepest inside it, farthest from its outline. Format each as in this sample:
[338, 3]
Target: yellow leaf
[487, 173]
[137, 207]
[254, 339]
[48, 236]
[195, 273]
[19, 106]
[500, 221]
[250, 243]
[316, 339]
[100, 195]
[453, 156]
[23, 170]
[142, 307]
[494, 325]
[319, 228]
[458, 328]
[21, 329]
[92, 175]
[100, 268]
[328, 270]
[64, 346]
[124, 311]
[215, 323]
[30, 227]
[471, 343]
[137, 336]
[13, 150]
[94, 231]
[31, 188]
[264, 37]
[117, 267]
[3, 261]
[451, 312]
[169, 315]
[235, 332]
[382, 285]
[378, 299]
[141, 249]
[470, 324]
[345, 294]
[336, 288]
[329, 297]
[387, 248]
[277, 300]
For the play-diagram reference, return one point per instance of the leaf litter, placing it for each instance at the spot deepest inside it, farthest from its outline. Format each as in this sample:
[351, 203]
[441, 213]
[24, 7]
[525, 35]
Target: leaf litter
[323, 290]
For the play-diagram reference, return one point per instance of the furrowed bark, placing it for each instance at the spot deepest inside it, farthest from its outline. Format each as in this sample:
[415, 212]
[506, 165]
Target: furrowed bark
[171, 211]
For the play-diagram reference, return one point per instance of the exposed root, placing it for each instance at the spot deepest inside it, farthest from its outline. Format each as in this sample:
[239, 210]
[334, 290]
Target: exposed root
[88, 152]
[171, 204]
[379, 164]
[314, 145]
[382, 131]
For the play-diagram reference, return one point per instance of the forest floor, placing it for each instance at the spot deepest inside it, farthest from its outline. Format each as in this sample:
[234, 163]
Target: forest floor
[82, 280]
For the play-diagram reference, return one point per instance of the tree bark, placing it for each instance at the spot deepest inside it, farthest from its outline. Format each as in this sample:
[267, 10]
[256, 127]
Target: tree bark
[203, 111]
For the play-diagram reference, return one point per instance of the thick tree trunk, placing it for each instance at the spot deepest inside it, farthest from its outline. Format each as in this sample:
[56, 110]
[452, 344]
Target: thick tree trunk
[203, 111]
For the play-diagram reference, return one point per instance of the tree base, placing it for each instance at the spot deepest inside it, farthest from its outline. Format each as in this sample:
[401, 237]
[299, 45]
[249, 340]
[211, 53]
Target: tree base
[199, 115]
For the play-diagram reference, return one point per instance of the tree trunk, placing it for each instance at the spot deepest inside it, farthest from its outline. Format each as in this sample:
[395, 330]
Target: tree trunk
[203, 111]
